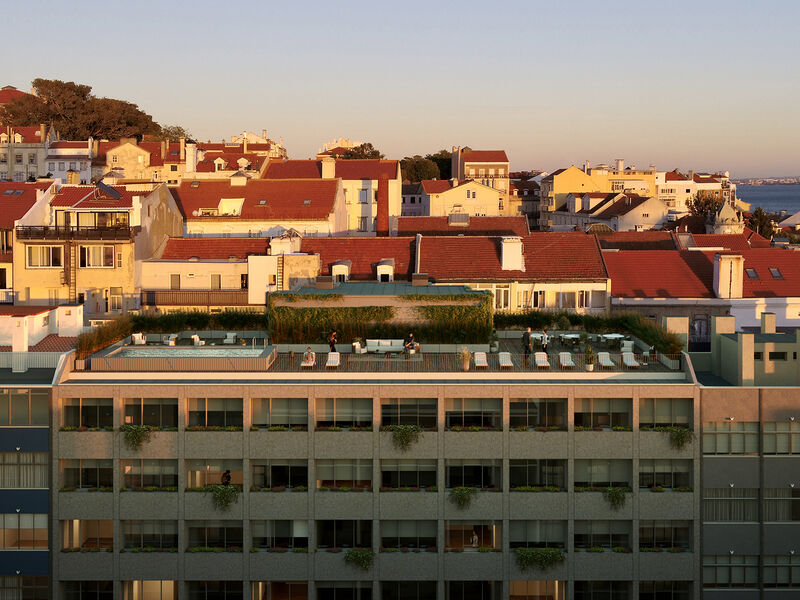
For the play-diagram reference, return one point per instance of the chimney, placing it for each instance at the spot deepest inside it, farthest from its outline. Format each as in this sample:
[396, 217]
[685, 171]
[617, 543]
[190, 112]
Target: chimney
[182, 143]
[90, 148]
[191, 158]
[41, 133]
[653, 168]
[164, 148]
[382, 227]
[244, 145]
[328, 167]
[455, 163]
[95, 147]
[620, 164]
[728, 275]
[454, 182]
[511, 254]
[767, 322]
[264, 134]
[586, 166]
[691, 175]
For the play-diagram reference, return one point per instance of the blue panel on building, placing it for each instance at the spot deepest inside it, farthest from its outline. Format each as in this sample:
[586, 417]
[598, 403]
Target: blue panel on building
[27, 501]
[25, 562]
[27, 439]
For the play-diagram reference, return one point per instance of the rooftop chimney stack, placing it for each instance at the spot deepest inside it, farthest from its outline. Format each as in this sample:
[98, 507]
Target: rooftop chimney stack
[382, 227]
[511, 254]
[328, 167]
[182, 143]
[620, 164]
[244, 145]
[586, 166]
[728, 275]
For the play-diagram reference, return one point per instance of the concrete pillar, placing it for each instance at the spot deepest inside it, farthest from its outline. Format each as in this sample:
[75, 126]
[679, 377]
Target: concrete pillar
[19, 345]
[678, 326]
[719, 325]
[744, 356]
[768, 322]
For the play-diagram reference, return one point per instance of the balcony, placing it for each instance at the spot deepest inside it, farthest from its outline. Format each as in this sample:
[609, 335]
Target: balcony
[194, 298]
[120, 234]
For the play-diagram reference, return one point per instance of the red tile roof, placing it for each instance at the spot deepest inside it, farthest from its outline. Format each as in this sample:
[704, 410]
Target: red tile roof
[766, 286]
[61, 144]
[213, 248]
[89, 196]
[477, 226]
[637, 240]
[364, 253]
[550, 256]
[231, 147]
[609, 208]
[338, 151]
[9, 93]
[283, 199]
[484, 156]
[54, 343]
[8, 310]
[675, 176]
[679, 274]
[436, 186]
[748, 239]
[31, 134]
[346, 169]
[14, 205]
[706, 179]
[231, 158]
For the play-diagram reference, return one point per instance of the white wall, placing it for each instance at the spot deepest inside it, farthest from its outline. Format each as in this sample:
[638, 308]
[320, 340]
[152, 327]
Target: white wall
[259, 270]
[748, 311]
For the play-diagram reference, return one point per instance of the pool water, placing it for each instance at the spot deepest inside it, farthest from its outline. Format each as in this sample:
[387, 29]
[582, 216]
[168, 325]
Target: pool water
[189, 352]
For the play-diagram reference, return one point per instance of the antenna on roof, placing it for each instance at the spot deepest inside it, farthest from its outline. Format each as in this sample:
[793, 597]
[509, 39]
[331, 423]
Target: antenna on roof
[108, 190]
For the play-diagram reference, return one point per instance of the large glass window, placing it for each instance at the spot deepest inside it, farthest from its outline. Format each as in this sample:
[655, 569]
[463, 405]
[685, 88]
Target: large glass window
[665, 412]
[730, 571]
[409, 411]
[602, 413]
[94, 257]
[537, 534]
[602, 473]
[473, 413]
[202, 472]
[730, 437]
[537, 590]
[730, 504]
[279, 590]
[665, 534]
[551, 473]
[781, 437]
[344, 474]
[149, 474]
[45, 257]
[280, 534]
[159, 413]
[214, 590]
[23, 531]
[473, 590]
[602, 534]
[344, 534]
[88, 413]
[781, 504]
[344, 590]
[25, 587]
[279, 473]
[215, 534]
[407, 473]
[602, 590]
[279, 413]
[79, 534]
[472, 535]
[665, 590]
[86, 473]
[666, 473]
[538, 413]
[215, 413]
[88, 590]
[408, 534]
[477, 473]
[149, 590]
[24, 470]
[157, 535]
[781, 571]
[24, 407]
[408, 590]
[352, 413]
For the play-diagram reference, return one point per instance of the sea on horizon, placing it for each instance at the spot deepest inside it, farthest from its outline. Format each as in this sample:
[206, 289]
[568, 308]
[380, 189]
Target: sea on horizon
[772, 198]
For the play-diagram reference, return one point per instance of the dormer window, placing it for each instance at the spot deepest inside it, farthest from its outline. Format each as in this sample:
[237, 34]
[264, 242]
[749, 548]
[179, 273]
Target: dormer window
[751, 273]
[385, 270]
[776, 273]
[340, 271]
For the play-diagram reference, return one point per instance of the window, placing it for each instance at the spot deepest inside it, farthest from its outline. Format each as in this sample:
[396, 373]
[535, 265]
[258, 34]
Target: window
[160, 535]
[363, 223]
[291, 413]
[344, 534]
[665, 590]
[215, 413]
[202, 472]
[175, 281]
[730, 437]
[408, 590]
[25, 587]
[476, 472]
[730, 571]
[538, 299]
[665, 473]
[44, 257]
[88, 590]
[18, 159]
[279, 473]
[344, 412]
[24, 470]
[280, 534]
[408, 534]
[280, 590]
[62, 166]
[173, 168]
[781, 571]
[363, 196]
[89, 413]
[665, 534]
[602, 413]
[96, 257]
[159, 413]
[23, 531]
[407, 473]
[469, 413]
[777, 356]
[149, 590]
[537, 534]
[602, 473]
[781, 504]
[119, 258]
[665, 412]
[344, 590]
[344, 474]
[758, 356]
[584, 299]
[537, 590]
[115, 298]
[87, 534]
[22, 407]
[149, 474]
[781, 437]
[216, 281]
[3, 158]
[502, 297]
[473, 590]
[730, 504]
[87, 473]
[603, 534]
[602, 590]
[537, 472]
[215, 534]
[472, 534]
[155, 175]
[776, 273]
[409, 411]
[530, 413]
[751, 273]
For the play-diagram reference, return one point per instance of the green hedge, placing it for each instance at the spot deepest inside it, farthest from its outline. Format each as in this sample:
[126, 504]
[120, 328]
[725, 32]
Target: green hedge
[649, 332]
[290, 325]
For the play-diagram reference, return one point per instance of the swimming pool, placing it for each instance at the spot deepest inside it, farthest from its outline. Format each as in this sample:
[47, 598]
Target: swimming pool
[190, 352]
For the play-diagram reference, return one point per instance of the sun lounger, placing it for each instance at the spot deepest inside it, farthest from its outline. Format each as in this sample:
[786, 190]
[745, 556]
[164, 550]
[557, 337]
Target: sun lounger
[629, 360]
[230, 338]
[197, 341]
[565, 360]
[171, 339]
[480, 360]
[309, 362]
[138, 339]
[540, 360]
[627, 346]
[505, 360]
[604, 360]
[334, 358]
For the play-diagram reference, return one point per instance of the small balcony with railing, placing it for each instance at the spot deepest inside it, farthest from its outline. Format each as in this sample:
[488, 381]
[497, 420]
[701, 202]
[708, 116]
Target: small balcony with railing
[119, 233]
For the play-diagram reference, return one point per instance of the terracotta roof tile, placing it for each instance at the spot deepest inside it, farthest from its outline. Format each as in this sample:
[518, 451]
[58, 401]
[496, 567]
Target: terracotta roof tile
[31, 134]
[485, 156]
[346, 169]
[364, 253]
[637, 240]
[14, 205]
[89, 196]
[9, 93]
[680, 274]
[213, 248]
[477, 226]
[9, 310]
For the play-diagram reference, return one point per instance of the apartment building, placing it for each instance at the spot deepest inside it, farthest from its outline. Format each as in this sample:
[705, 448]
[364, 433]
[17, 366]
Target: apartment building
[620, 211]
[490, 168]
[468, 197]
[23, 151]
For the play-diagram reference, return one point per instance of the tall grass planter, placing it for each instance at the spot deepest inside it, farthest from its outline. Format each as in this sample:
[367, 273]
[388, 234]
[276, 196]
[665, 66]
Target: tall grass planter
[136, 435]
[360, 558]
[405, 435]
[461, 496]
[615, 496]
[223, 496]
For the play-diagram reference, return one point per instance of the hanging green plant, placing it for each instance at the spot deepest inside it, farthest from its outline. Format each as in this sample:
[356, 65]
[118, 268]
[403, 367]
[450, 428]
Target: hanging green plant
[136, 435]
[461, 496]
[359, 557]
[679, 436]
[541, 558]
[224, 495]
[615, 496]
[405, 435]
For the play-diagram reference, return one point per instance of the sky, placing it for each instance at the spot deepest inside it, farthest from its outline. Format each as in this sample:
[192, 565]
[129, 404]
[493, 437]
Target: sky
[703, 85]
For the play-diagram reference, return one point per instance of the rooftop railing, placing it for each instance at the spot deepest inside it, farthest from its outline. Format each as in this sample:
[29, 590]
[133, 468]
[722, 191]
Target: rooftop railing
[194, 298]
[121, 233]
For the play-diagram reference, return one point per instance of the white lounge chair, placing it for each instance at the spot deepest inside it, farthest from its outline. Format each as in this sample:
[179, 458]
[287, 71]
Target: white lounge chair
[358, 348]
[505, 360]
[480, 360]
[565, 360]
[138, 339]
[604, 360]
[309, 362]
[230, 338]
[540, 360]
[197, 341]
[627, 346]
[629, 360]
[334, 358]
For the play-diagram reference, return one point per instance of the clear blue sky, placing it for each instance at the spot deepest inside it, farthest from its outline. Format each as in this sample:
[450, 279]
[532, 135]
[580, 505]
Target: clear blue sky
[689, 84]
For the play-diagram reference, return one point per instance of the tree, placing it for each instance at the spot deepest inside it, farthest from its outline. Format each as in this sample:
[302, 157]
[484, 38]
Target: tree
[365, 150]
[443, 160]
[76, 113]
[761, 223]
[415, 168]
[703, 207]
[173, 132]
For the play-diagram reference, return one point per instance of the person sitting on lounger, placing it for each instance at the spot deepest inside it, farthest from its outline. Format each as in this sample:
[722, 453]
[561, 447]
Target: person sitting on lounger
[309, 356]
[408, 343]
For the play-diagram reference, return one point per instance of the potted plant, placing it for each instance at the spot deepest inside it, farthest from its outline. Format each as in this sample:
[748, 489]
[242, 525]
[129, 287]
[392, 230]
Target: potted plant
[590, 359]
[495, 347]
[465, 355]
